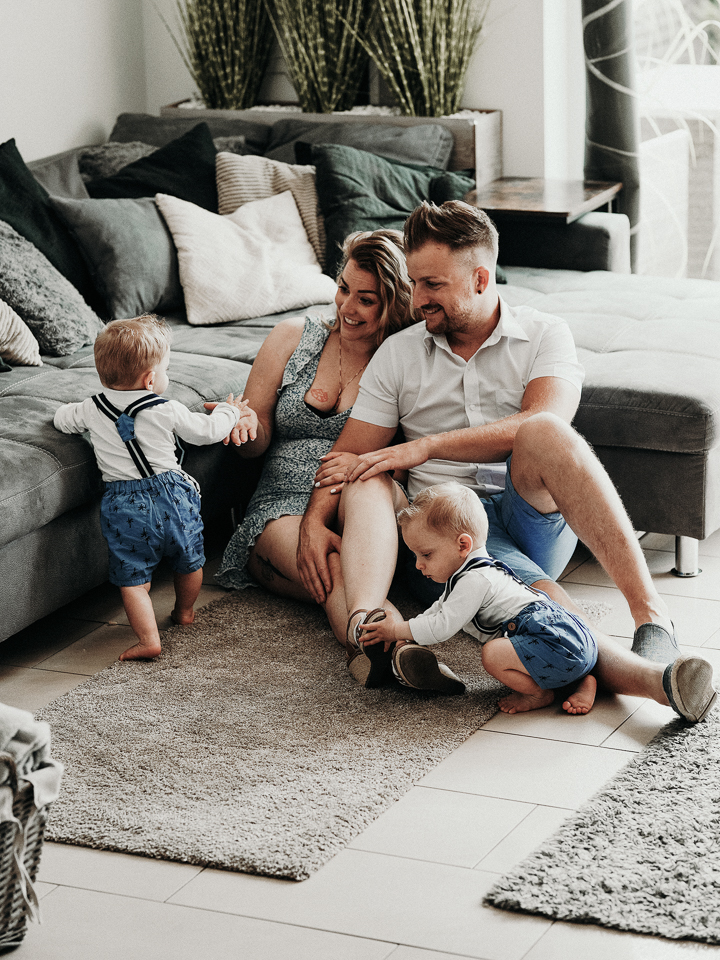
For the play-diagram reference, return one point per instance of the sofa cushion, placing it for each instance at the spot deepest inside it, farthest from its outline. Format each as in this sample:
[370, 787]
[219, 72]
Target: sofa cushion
[44, 472]
[161, 130]
[17, 344]
[183, 168]
[25, 205]
[247, 263]
[428, 144]
[650, 348]
[130, 252]
[243, 179]
[60, 175]
[51, 306]
[359, 191]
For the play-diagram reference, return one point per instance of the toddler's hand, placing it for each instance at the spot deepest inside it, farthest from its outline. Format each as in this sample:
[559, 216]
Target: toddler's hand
[382, 632]
[246, 427]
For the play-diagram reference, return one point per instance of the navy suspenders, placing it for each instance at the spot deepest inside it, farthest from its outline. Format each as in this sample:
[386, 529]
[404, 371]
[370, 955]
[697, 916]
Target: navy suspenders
[474, 564]
[124, 421]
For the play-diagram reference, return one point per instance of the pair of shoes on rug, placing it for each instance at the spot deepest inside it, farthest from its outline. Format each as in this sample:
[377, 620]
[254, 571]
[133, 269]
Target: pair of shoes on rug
[653, 642]
[688, 685]
[413, 666]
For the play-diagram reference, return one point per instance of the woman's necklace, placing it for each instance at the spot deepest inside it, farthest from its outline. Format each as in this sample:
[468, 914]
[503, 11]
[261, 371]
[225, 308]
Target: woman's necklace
[353, 377]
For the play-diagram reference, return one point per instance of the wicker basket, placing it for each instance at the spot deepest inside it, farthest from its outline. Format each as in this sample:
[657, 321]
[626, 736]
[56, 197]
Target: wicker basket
[19, 845]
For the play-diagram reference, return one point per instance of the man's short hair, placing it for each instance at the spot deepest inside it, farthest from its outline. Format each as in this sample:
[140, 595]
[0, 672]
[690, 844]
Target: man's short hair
[455, 224]
[126, 349]
[449, 508]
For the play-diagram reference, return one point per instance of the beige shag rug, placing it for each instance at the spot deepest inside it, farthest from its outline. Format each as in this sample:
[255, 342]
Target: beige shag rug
[247, 745]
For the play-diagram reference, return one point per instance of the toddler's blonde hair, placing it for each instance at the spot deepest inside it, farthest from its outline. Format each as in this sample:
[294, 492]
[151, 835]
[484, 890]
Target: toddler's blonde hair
[449, 508]
[126, 349]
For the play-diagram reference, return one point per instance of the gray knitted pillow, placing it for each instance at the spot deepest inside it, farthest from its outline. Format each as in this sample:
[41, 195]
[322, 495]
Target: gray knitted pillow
[48, 303]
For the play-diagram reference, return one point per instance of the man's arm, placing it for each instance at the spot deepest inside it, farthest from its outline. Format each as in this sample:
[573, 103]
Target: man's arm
[490, 443]
[317, 538]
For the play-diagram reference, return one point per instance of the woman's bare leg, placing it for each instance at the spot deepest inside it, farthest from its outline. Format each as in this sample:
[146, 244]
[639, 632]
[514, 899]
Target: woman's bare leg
[273, 563]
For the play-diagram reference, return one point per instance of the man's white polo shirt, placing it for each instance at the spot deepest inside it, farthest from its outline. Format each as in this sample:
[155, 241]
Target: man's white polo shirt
[415, 380]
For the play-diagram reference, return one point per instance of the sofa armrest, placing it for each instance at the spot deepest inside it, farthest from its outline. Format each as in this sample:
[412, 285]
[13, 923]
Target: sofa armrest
[597, 241]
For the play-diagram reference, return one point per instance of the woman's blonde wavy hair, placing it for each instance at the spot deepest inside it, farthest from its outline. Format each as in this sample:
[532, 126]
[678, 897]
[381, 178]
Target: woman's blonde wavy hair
[381, 253]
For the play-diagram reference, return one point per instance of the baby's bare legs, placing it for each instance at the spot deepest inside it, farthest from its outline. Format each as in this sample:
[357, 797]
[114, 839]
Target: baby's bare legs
[187, 589]
[141, 615]
[501, 661]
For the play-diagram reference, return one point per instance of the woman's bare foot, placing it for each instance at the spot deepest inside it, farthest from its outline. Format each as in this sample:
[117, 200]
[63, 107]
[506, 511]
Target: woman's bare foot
[142, 651]
[183, 618]
[582, 699]
[522, 702]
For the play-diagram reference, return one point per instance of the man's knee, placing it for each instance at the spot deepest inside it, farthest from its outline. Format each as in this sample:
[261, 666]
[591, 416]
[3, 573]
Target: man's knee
[545, 437]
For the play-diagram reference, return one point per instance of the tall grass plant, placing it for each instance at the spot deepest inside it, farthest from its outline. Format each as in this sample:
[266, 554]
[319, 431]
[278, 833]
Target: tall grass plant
[422, 49]
[226, 46]
[324, 57]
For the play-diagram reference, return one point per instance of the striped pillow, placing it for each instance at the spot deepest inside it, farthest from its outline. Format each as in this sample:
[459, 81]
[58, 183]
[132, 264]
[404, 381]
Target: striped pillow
[243, 179]
[17, 343]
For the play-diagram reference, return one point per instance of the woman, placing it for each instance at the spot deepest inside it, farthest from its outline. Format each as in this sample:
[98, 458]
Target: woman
[302, 386]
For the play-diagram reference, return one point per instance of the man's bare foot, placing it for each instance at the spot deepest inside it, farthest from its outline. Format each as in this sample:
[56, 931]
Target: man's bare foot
[522, 702]
[182, 618]
[142, 651]
[582, 699]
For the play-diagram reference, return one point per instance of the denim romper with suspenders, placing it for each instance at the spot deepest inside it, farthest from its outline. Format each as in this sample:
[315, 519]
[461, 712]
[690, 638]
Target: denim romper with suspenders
[158, 515]
[555, 647]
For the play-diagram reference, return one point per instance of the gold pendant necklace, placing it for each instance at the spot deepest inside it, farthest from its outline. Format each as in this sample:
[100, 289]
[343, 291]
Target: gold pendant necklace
[353, 377]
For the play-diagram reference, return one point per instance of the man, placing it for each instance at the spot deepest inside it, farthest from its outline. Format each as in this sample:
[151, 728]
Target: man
[502, 385]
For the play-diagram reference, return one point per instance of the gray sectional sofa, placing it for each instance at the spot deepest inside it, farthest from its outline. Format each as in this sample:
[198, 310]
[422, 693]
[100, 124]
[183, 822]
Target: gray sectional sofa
[651, 348]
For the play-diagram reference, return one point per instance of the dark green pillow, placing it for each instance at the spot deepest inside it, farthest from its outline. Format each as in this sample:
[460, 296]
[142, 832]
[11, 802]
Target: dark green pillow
[184, 168]
[26, 206]
[359, 191]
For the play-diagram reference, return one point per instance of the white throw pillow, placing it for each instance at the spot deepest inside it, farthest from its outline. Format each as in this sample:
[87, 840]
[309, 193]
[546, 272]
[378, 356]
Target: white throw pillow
[17, 343]
[241, 180]
[255, 261]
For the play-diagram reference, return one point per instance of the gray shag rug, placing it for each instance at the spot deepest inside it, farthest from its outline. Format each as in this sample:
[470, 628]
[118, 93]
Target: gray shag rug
[643, 855]
[247, 745]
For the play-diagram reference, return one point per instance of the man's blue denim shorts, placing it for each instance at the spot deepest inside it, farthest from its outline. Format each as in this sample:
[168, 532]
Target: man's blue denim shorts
[146, 520]
[536, 546]
[555, 647]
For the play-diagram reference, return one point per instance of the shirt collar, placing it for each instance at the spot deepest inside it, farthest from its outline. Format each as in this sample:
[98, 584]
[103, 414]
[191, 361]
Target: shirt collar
[508, 326]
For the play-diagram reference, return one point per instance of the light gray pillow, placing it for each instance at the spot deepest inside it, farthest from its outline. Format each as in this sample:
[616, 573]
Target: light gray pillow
[60, 175]
[48, 303]
[130, 252]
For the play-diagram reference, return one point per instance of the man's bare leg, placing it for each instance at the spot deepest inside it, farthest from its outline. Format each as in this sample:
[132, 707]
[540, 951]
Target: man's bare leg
[553, 468]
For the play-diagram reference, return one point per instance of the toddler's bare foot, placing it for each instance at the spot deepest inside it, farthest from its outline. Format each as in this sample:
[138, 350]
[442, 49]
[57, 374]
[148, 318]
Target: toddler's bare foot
[522, 702]
[183, 618]
[142, 651]
[582, 699]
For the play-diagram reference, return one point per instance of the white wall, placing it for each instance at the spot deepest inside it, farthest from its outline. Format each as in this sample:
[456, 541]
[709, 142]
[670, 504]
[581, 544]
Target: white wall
[67, 68]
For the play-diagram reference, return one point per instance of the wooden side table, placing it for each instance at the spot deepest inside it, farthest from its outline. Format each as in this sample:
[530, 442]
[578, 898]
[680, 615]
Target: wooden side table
[550, 199]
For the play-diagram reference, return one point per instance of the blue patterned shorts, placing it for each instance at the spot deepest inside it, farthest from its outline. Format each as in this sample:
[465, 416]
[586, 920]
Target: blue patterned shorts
[146, 520]
[555, 647]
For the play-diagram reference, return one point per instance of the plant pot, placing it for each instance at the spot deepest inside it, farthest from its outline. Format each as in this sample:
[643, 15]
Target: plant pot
[478, 137]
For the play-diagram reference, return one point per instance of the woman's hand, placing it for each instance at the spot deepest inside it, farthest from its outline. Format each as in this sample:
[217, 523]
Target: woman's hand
[335, 470]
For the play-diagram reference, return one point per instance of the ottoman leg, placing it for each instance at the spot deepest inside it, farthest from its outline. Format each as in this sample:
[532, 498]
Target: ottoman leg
[686, 557]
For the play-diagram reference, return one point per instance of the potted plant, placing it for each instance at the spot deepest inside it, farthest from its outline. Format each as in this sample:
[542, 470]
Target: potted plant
[226, 45]
[422, 50]
[322, 51]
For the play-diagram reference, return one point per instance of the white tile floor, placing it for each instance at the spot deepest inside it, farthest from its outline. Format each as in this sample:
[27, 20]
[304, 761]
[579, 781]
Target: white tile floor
[411, 886]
